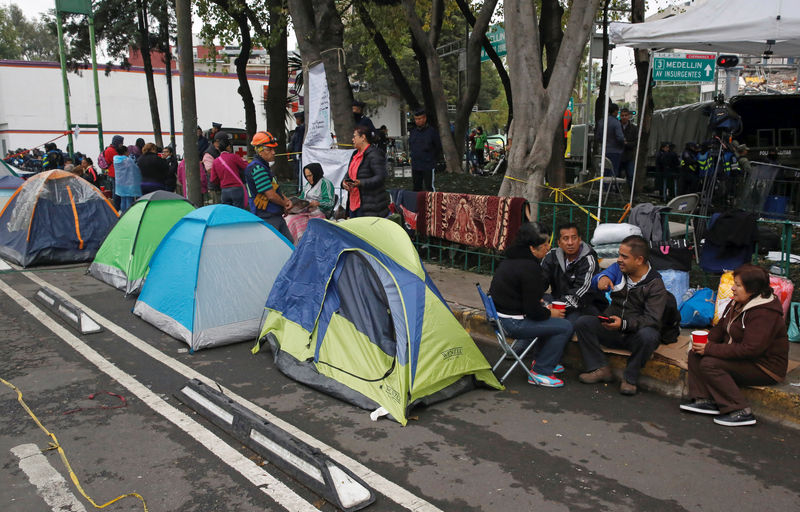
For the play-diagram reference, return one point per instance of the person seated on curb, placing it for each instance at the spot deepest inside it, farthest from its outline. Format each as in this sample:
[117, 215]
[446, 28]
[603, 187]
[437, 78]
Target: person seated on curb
[568, 270]
[517, 289]
[642, 313]
[748, 347]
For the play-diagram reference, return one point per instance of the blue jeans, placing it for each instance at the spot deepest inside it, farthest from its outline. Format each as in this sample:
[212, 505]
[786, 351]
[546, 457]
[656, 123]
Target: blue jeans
[553, 334]
[125, 202]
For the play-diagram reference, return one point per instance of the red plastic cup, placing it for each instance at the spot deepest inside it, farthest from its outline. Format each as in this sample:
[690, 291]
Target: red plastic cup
[700, 337]
[559, 305]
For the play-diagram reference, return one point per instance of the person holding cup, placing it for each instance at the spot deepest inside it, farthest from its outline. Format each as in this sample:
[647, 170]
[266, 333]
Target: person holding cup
[517, 289]
[748, 347]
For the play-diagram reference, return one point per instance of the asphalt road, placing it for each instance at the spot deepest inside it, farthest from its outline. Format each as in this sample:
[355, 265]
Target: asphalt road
[526, 448]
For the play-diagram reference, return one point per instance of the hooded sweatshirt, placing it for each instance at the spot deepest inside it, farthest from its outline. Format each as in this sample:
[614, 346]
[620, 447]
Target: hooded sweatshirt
[571, 281]
[755, 332]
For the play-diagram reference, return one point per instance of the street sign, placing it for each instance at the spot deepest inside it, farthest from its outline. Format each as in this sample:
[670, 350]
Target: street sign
[684, 67]
[74, 6]
[497, 36]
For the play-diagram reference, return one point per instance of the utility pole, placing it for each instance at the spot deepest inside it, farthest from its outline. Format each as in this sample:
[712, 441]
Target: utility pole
[183, 14]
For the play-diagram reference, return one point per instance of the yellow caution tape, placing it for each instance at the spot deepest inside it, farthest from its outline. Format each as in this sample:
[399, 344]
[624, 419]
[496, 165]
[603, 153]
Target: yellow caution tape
[54, 445]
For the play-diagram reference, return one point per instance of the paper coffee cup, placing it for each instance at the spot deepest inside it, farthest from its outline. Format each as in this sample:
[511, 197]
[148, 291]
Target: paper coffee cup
[700, 336]
[559, 305]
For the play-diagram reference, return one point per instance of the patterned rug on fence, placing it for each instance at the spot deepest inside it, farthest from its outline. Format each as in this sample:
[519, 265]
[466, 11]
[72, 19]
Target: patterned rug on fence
[477, 221]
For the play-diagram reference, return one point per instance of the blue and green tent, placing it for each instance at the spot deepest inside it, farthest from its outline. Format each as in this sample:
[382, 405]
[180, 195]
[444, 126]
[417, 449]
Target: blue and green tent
[354, 314]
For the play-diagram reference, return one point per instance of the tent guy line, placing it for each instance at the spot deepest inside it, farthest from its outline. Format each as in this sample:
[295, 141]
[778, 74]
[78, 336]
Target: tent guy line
[268, 484]
[380, 484]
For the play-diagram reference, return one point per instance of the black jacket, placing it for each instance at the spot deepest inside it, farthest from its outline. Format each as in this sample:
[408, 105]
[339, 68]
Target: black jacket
[372, 175]
[518, 285]
[154, 169]
[646, 304]
[571, 282]
[425, 146]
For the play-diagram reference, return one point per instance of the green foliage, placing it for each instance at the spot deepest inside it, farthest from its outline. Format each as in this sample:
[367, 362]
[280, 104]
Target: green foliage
[24, 39]
[673, 96]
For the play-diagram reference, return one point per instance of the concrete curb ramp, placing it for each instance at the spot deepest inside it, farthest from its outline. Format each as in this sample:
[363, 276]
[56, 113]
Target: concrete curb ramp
[780, 403]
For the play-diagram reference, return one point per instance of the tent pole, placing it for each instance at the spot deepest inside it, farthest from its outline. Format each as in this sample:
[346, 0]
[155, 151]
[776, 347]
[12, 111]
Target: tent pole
[605, 136]
[641, 117]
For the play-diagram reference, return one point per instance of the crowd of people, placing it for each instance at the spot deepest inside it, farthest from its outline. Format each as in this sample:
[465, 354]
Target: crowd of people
[627, 306]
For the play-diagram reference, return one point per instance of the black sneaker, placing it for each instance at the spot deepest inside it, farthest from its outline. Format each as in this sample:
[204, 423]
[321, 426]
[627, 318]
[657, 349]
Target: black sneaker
[701, 406]
[739, 418]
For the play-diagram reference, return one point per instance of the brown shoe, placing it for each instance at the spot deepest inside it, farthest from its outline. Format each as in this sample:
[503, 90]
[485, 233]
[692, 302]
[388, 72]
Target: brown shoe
[599, 375]
[627, 389]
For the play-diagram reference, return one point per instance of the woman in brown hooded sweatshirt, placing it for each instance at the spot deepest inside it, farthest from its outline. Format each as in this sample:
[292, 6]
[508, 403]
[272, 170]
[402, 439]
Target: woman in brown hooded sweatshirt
[748, 347]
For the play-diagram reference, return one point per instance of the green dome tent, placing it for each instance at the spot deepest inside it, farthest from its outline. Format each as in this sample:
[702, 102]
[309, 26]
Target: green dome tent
[123, 258]
[354, 314]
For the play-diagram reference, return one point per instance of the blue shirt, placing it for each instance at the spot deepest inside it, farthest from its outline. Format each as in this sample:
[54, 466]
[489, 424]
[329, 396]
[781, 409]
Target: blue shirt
[259, 179]
[425, 147]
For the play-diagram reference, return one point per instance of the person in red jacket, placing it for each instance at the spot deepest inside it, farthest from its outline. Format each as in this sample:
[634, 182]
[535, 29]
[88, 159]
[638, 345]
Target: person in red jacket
[227, 172]
[748, 347]
[108, 154]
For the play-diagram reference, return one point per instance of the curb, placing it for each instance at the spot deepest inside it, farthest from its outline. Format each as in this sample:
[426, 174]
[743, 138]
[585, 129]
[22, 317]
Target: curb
[779, 404]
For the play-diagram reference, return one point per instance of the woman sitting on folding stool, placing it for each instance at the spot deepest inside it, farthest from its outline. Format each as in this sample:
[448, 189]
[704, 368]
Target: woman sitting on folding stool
[517, 290]
[748, 347]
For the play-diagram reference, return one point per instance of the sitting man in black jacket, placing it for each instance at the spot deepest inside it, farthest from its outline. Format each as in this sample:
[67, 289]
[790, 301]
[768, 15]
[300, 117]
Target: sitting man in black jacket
[568, 270]
[641, 315]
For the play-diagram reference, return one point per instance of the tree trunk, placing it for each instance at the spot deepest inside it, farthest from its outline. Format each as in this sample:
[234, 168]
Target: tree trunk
[320, 34]
[550, 37]
[427, 43]
[644, 104]
[473, 85]
[183, 13]
[539, 110]
[167, 50]
[278, 85]
[425, 83]
[496, 60]
[144, 49]
[241, 74]
[386, 54]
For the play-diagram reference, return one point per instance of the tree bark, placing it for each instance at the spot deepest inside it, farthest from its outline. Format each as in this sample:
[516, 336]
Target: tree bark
[278, 84]
[539, 110]
[241, 74]
[425, 83]
[183, 13]
[644, 104]
[427, 42]
[167, 51]
[144, 49]
[498, 63]
[550, 34]
[386, 54]
[473, 82]
[320, 34]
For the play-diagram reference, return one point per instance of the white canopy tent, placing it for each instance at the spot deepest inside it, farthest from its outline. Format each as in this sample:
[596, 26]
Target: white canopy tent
[726, 26]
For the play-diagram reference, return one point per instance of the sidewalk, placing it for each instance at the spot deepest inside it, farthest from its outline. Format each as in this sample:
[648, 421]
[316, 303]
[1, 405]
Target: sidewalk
[665, 373]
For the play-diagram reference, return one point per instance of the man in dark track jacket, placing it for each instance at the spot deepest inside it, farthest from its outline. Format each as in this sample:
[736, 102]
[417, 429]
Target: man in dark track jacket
[425, 146]
[641, 315]
[568, 270]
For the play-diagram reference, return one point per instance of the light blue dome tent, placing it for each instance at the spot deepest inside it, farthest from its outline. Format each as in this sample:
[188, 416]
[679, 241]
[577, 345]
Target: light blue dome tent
[211, 275]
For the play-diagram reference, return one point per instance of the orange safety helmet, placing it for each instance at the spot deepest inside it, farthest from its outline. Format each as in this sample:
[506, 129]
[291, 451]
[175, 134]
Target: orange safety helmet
[264, 139]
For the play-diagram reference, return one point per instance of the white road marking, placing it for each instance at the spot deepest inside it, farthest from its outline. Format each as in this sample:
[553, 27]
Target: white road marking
[50, 485]
[268, 484]
[391, 490]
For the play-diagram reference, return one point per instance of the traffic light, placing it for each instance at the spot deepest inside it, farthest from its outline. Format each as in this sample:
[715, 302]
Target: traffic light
[727, 61]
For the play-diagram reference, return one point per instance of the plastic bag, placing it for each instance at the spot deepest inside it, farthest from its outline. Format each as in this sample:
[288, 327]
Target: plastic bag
[613, 233]
[783, 289]
[724, 295]
[676, 283]
[794, 322]
[698, 310]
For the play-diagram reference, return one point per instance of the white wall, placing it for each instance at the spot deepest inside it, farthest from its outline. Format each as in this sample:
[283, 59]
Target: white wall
[32, 105]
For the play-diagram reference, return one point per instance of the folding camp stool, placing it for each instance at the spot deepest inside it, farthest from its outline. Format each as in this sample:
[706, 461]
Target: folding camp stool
[508, 349]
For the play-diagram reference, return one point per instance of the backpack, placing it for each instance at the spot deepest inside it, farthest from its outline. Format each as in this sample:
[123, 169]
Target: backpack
[101, 161]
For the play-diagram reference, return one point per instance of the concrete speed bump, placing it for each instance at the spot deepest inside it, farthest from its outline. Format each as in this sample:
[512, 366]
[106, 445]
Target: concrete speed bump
[71, 314]
[308, 465]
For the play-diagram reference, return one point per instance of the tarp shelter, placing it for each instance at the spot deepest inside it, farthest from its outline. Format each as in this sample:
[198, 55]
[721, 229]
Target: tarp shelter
[354, 314]
[8, 185]
[725, 26]
[6, 169]
[55, 217]
[124, 256]
[210, 276]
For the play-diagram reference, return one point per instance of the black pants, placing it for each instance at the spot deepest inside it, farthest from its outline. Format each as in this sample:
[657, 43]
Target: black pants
[592, 335]
[719, 380]
[277, 221]
[233, 196]
[420, 176]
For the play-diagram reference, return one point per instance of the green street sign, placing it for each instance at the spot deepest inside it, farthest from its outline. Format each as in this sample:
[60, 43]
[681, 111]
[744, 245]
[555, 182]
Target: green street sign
[684, 67]
[497, 36]
[74, 6]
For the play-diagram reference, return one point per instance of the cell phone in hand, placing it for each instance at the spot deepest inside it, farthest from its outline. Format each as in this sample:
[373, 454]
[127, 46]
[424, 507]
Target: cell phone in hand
[605, 319]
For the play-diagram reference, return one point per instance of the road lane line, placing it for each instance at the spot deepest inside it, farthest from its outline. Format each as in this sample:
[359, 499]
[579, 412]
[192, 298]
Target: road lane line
[391, 490]
[50, 485]
[267, 483]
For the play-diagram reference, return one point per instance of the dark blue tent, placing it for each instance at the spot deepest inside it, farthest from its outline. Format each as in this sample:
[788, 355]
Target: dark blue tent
[55, 217]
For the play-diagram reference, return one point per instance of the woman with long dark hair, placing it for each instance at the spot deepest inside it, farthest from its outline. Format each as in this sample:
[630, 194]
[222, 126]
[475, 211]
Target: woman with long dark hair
[517, 290]
[366, 178]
